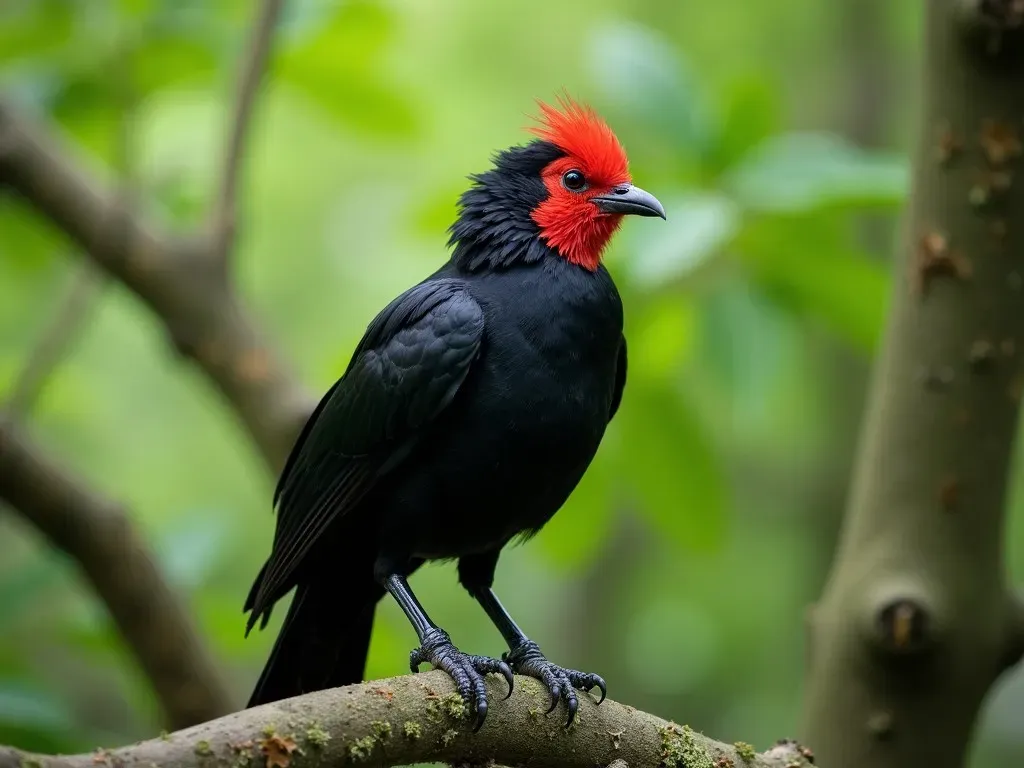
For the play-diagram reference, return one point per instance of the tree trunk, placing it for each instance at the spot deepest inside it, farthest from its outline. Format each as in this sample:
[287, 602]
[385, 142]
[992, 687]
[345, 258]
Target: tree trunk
[917, 621]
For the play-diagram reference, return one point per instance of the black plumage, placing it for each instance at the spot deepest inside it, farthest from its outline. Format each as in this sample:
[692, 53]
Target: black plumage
[469, 412]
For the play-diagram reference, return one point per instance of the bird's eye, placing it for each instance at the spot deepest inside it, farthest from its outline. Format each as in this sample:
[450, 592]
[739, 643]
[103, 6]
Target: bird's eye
[574, 181]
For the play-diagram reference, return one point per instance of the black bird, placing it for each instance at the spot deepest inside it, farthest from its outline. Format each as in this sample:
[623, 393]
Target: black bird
[467, 415]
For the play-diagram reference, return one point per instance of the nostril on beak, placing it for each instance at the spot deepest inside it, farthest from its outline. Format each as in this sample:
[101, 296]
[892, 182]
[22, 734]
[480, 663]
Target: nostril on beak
[620, 191]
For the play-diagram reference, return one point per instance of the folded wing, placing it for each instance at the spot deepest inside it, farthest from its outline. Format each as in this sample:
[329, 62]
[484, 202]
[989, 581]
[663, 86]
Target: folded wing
[406, 370]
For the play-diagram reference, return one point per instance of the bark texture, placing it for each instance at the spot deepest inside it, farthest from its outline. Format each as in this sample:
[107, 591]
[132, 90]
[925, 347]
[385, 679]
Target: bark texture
[917, 620]
[419, 718]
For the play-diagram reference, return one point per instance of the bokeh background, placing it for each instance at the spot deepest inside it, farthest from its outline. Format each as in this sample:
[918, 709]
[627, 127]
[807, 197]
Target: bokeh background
[777, 136]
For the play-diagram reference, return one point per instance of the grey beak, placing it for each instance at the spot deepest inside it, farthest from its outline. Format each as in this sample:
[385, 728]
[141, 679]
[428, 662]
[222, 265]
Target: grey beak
[629, 199]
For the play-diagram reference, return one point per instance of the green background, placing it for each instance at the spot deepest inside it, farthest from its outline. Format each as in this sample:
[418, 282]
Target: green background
[776, 135]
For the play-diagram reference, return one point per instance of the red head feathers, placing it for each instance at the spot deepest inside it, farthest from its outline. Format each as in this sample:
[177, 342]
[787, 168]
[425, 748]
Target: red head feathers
[582, 134]
[584, 190]
[589, 188]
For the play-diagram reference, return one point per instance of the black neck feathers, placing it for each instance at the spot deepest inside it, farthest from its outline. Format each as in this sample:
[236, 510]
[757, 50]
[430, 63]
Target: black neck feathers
[494, 229]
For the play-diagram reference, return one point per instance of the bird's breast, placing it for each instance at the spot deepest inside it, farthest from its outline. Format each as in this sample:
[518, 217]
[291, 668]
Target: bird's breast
[531, 414]
[548, 371]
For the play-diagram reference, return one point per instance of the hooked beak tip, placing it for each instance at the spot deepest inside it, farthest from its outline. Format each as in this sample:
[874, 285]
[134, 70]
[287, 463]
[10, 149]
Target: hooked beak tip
[630, 200]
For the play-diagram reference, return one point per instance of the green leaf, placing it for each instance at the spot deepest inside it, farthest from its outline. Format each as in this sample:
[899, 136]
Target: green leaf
[812, 270]
[642, 73]
[34, 29]
[742, 353]
[341, 68]
[84, 106]
[673, 469]
[698, 225]
[28, 707]
[36, 719]
[25, 588]
[751, 113]
[802, 171]
[26, 248]
[167, 58]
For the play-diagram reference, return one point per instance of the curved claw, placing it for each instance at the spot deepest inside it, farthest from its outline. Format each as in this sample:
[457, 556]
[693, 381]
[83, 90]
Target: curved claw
[481, 715]
[526, 659]
[466, 671]
[572, 704]
[556, 696]
[506, 671]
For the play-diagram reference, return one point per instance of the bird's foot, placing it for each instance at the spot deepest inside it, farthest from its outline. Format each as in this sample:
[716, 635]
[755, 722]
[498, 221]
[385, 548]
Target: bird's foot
[466, 670]
[526, 659]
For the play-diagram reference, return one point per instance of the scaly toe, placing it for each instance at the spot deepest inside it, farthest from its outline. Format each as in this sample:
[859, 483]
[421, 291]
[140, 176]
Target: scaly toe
[586, 681]
[561, 683]
[466, 671]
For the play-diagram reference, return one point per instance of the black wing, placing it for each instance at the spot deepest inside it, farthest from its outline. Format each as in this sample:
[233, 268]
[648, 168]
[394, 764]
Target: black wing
[405, 371]
[620, 379]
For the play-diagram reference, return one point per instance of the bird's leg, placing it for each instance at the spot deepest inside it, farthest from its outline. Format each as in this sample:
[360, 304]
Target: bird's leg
[436, 647]
[524, 655]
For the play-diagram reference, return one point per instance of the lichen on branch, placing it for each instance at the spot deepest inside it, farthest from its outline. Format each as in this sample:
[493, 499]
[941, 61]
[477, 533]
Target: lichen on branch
[420, 718]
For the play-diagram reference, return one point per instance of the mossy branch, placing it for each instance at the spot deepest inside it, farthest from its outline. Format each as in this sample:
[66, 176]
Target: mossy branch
[419, 718]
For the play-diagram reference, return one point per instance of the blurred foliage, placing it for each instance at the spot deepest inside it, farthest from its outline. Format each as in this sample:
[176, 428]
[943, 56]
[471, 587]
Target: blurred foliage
[681, 565]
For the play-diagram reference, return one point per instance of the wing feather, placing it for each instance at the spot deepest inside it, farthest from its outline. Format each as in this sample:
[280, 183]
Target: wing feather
[406, 370]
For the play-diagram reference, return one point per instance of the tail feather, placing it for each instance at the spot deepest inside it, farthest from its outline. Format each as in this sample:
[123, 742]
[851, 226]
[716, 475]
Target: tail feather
[323, 642]
[250, 605]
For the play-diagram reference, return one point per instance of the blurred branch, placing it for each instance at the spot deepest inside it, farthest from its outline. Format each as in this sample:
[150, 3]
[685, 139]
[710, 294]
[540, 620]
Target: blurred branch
[54, 342]
[174, 276]
[183, 281]
[1007, 14]
[97, 533]
[224, 218]
[84, 287]
[407, 720]
[181, 278]
[916, 621]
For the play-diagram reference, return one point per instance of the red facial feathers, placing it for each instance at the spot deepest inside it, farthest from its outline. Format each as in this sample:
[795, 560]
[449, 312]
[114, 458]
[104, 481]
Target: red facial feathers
[568, 221]
[581, 133]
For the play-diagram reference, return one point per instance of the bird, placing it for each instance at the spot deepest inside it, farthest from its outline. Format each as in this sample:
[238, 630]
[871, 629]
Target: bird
[468, 412]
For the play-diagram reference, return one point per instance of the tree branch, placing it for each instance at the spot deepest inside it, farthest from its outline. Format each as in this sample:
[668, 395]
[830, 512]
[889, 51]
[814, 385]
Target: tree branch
[97, 533]
[1004, 14]
[417, 719]
[224, 218]
[174, 276]
[916, 620]
[54, 341]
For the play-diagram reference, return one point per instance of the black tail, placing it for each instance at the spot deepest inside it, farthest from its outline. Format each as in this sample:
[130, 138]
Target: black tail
[323, 642]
